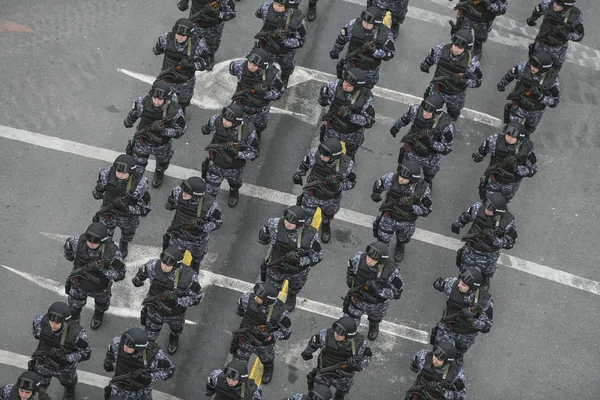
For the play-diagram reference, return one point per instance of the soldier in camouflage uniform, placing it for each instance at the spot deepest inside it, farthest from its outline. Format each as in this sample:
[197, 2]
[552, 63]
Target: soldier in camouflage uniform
[196, 215]
[173, 289]
[125, 198]
[161, 120]
[295, 248]
[259, 83]
[332, 172]
[512, 157]
[407, 198]
[440, 374]
[27, 388]
[139, 363]
[469, 310]
[185, 53]
[343, 353]
[562, 22]
[264, 321]
[457, 69]
[492, 229]
[209, 18]
[97, 263]
[430, 137]
[369, 40]
[318, 392]
[233, 382]
[479, 18]
[374, 280]
[350, 110]
[536, 87]
[238, 143]
[63, 343]
[398, 9]
[283, 31]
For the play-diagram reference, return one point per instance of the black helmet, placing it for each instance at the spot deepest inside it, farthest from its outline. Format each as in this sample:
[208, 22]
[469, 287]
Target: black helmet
[285, 3]
[96, 233]
[377, 251]
[471, 277]
[135, 338]
[331, 148]
[194, 186]
[410, 170]
[496, 202]
[320, 392]
[542, 61]
[432, 103]
[355, 77]
[463, 38]
[236, 369]
[345, 326]
[124, 163]
[445, 351]
[29, 380]
[267, 292]
[171, 256]
[565, 3]
[372, 15]
[160, 90]
[259, 57]
[59, 312]
[515, 129]
[183, 27]
[295, 215]
[294, 3]
[233, 113]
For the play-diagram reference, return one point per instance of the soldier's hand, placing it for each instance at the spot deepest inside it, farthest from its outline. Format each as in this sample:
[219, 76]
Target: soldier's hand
[438, 284]
[108, 366]
[394, 131]
[510, 163]
[332, 179]
[297, 179]
[306, 355]
[334, 55]
[531, 22]
[183, 6]
[260, 88]
[170, 295]
[143, 374]
[425, 67]
[127, 123]
[158, 126]
[137, 282]
[477, 157]
[188, 62]
[469, 312]
[97, 195]
[455, 228]
[376, 197]
[370, 45]
[500, 87]
[459, 80]
[205, 129]
[434, 386]
[210, 392]
[344, 112]
[354, 360]
[536, 92]
[270, 339]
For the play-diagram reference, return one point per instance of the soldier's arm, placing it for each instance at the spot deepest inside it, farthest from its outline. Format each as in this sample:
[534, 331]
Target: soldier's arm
[257, 395]
[193, 294]
[215, 218]
[285, 327]
[460, 386]
[364, 352]
[577, 33]
[349, 175]
[315, 252]
[384, 183]
[364, 117]
[162, 368]
[161, 44]
[307, 162]
[102, 180]
[509, 238]
[201, 55]
[70, 248]
[173, 198]
[251, 150]
[243, 302]
[213, 378]
[388, 49]
[418, 361]
[270, 228]
[488, 145]
[514, 73]
[134, 113]
[262, 11]
[183, 4]
[297, 40]
[540, 9]
[36, 328]
[343, 37]
[112, 351]
[468, 216]
[352, 268]
[82, 350]
[552, 97]
[176, 128]
[276, 87]
[142, 195]
[316, 342]
[434, 55]
[424, 206]
[227, 10]
[144, 271]
[474, 74]
[236, 68]
[394, 286]
[485, 319]
[116, 270]
[446, 143]
[408, 117]
[529, 168]
[498, 7]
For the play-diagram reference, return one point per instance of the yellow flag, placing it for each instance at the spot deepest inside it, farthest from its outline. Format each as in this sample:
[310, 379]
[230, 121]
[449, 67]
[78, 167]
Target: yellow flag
[187, 258]
[387, 20]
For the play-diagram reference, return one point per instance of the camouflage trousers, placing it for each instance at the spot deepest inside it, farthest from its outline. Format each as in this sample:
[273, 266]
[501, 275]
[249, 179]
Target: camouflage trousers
[404, 230]
[212, 35]
[375, 311]
[352, 141]
[216, 174]
[295, 281]
[198, 247]
[454, 102]
[184, 91]
[480, 29]
[371, 74]
[286, 61]
[462, 341]
[78, 298]
[258, 116]
[341, 385]
[244, 349]
[531, 117]
[398, 8]
[508, 190]
[329, 207]
[142, 394]
[430, 164]
[155, 321]
[128, 225]
[558, 53]
[163, 154]
[470, 258]
[67, 376]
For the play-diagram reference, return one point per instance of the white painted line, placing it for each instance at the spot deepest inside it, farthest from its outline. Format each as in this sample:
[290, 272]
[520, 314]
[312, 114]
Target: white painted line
[276, 196]
[89, 378]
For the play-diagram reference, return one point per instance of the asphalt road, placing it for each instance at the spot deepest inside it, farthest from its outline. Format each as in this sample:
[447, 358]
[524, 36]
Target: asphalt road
[63, 80]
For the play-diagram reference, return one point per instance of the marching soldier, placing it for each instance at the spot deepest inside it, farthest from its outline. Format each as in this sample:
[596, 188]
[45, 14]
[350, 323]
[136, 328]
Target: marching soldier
[232, 383]
[27, 388]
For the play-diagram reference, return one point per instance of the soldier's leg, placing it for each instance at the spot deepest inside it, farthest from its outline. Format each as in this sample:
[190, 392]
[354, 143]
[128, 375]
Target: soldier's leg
[101, 304]
[481, 30]
[462, 343]
[455, 104]
[128, 227]
[154, 323]
[509, 190]
[235, 178]
[558, 55]
[311, 15]
[109, 222]
[141, 153]
[176, 324]
[372, 77]
[266, 355]
[213, 41]
[214, 177]
[330, 133]
[46, 375]
[68, 379]
[243, 350]
[329, 208]
[431, 166]
[198, 250]
[276, 277]
[532, 119]
[404, 231]
[185, 92]
[76, 300]
[296, 283]
[163, 155]
[354, 308]
[353, 141]
[444, 334]
[309, 204]
[288, 64]
[342, 387]
[376, 313]
[386, 228]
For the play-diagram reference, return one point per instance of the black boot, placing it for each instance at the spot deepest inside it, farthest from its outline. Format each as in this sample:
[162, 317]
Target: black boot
[97, 319]
[395, 29]
[157, 180]
[478, 49]
[326, 232]
[69, 393]
[173, 343]
[285, 79]
[312, 11]
[267, 372]
[234, 195]
[290, 302]
[399, 253]
[373, 330]
[124, 247]
[429, 180]
[75, 314]
[195, 265]
[211, 62]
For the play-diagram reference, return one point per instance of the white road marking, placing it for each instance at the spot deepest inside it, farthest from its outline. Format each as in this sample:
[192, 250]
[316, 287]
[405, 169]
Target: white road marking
[89, 378]
[276, 196]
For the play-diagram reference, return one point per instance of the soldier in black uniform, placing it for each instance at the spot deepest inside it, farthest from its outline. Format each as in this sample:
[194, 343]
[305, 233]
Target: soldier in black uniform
[173, 289]
[62, 345]
[265, 320]
[27, 388]
[343, 353]
[232, 383]
[161, 119]
[97, 263]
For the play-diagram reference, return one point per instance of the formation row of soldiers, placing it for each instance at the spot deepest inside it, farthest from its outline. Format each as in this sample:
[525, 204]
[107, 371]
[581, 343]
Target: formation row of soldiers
[372, 277]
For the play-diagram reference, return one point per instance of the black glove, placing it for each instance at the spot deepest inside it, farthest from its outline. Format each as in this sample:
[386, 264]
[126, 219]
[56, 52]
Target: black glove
[170, 295]
[477, 157]
[510, 163]
[354, 360]
[439, 284]
[484, 3]
[459, 80]
[97, 195]
[58, 354]
[531, 22]
[370, 45]
[426, 140]
[137, 282]
[500, 87]
[455, 228]
[210, 392]
[394, 131]
[536, 93]
[425, 67]
[331, 179]
[127, 123]
[434, 386]
[297, 179]
[260, 88]
[108, 366]
[183, 7]
[143, 374]
[294, 255]
[344, 112]
[205, 129]
[469, 312]
[158, 126]
[376, 197]
[333, 55]
[306, 355]
[188, 62]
